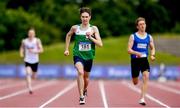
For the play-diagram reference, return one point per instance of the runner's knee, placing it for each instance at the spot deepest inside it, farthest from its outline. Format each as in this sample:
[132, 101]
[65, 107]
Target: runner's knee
[80, 73]
[145, 75]
[28, 74]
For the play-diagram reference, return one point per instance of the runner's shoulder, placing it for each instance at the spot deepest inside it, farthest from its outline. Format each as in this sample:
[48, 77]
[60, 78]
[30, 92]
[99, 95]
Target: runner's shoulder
[74, 27]
[94, 28]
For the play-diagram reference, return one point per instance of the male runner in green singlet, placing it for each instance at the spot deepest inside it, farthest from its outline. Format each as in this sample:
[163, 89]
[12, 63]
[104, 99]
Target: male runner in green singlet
[86, 37]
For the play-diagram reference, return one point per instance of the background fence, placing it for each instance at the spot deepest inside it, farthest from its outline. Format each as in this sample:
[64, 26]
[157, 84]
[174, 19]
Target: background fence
[98, 71]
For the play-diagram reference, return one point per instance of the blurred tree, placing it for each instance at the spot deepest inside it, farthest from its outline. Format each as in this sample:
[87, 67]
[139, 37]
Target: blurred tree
[172, 7]
[117, 15]
[17, 22]
[176, 29]
[61, 17]
[15, 4]
[155, 15]
[53, 18]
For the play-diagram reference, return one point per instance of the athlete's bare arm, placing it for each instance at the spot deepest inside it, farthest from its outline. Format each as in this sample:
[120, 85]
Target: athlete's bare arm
[68, 39]
[152, 49]
[40, 47]
[130, 45]
[21, 50]
[97, 40]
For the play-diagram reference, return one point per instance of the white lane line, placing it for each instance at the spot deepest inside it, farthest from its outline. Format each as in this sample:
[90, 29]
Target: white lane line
[103, 94]
[173, 83]
[165, 88]
[69, 87]
[12, 85]
[25, 90]
[147, 95]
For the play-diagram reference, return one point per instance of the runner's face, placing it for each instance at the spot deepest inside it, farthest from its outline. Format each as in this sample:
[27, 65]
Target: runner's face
[141, 26]
[85, 17]
[31, 33]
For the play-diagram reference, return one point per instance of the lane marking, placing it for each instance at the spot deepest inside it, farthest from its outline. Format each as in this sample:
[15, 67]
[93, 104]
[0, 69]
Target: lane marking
[165, 88]
[103, 94]
[25, 90]
[11, 85]
[69, 87]
[132, 87]
[173, 83]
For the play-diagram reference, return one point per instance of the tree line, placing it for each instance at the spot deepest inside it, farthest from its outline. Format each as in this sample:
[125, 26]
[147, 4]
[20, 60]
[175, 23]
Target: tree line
[53, 18]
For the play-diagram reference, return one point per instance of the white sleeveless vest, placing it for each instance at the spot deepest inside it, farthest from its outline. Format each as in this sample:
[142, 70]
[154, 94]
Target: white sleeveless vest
[82, 32]
[33, 45]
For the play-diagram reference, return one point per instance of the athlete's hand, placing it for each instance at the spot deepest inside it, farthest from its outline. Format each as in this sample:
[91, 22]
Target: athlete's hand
[88, 34]
[22, 55]
[66, 53]
[152, 58]
[138, 55]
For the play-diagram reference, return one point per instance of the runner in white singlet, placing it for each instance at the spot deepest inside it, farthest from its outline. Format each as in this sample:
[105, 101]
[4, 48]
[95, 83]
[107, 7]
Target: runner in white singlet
[30, 49]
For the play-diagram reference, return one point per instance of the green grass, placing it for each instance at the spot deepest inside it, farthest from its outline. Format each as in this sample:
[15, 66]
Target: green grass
[114, 51]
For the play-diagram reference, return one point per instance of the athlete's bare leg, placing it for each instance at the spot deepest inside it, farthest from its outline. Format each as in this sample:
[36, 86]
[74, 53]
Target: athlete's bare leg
[80, 77]
[86, 79]
[145, 82]
[34, 75]
[28, 78]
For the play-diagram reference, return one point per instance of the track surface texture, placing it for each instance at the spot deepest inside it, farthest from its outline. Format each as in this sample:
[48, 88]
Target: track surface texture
[58, 93]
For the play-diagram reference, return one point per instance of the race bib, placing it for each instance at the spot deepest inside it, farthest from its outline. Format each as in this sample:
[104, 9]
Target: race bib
[84, 46]
[29, 46]
[141, 45]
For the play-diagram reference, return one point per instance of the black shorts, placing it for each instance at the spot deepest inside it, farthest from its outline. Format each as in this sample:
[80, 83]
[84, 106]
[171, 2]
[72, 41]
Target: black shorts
[33, 66]
[139, 64]
[86, 63]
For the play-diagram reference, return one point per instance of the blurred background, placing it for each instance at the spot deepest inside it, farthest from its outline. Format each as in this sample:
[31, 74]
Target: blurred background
[115, 19]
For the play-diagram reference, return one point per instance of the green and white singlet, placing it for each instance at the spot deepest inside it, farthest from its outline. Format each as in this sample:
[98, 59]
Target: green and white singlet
[83, 47]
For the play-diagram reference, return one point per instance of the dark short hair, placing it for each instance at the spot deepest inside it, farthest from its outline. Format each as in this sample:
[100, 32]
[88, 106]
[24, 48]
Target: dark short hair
[31, 28]
[139, 19]
[85, 9]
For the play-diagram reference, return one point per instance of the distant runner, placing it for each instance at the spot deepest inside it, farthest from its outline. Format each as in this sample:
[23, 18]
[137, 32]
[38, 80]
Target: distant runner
[30, 49]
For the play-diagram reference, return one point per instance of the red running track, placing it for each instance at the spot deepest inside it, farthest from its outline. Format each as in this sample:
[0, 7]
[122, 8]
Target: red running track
[101, 94]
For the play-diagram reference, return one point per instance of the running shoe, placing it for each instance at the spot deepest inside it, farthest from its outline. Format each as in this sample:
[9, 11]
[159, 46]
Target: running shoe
[85, 92]
[82, 101]
[30, 92]
[142, 102]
